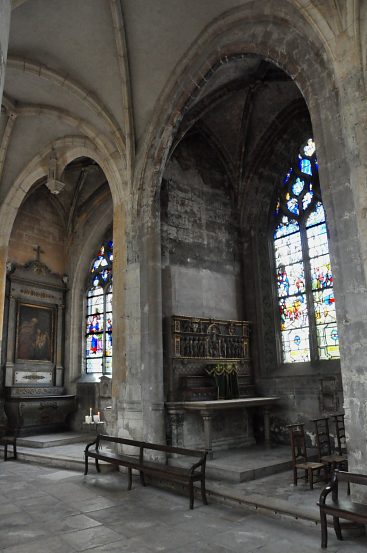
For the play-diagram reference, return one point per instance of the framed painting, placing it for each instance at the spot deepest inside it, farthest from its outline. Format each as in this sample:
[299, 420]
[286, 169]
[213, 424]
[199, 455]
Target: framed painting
[35, 332]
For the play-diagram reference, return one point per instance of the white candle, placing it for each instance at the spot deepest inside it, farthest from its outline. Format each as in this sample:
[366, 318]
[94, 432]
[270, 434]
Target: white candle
[90, 412]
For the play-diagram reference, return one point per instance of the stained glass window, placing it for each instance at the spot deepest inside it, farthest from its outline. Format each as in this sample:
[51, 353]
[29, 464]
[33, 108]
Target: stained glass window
[304, 279]
[98, 335]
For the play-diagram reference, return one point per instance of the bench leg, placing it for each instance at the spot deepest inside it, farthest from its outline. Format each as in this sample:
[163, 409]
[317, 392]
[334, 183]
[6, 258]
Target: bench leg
[191, 488]
[97, 466]
[142, 479]
[15, 450]
[86, 465]
[295, 476]
[310, 478]
[337, 528]
[323, 530]
[129, 471]
[203, 493]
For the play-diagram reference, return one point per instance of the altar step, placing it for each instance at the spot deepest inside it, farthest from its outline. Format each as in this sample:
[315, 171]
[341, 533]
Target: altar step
[66, 450]
[53, 440]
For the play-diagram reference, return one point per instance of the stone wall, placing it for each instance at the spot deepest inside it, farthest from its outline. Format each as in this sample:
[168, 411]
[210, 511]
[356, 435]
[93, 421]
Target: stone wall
[39, 223]
[200, 236]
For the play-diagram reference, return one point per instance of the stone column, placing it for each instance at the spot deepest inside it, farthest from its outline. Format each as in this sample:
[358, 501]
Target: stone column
[119, 362]
[343, 168]
[151, 330]
[5, 11]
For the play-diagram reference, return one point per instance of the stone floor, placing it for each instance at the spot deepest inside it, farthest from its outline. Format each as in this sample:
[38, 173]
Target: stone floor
[51, 510]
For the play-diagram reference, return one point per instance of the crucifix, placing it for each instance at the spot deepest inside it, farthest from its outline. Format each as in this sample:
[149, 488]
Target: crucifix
[38, 251]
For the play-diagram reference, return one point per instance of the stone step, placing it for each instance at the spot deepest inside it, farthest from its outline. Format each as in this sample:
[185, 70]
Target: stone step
[53, 440]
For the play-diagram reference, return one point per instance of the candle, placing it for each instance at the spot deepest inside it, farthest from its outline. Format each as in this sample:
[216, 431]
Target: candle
[90, 412]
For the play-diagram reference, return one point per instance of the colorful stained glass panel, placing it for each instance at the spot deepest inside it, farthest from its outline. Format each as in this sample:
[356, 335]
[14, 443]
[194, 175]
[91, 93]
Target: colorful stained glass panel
[295, 343]
[293, 312]
[324, 303]
[95, 323]
[94, 345]
[328, 341]
[290, 279]
[321, 272]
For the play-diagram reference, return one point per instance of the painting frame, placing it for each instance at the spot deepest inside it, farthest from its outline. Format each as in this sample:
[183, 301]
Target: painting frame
[35, 333]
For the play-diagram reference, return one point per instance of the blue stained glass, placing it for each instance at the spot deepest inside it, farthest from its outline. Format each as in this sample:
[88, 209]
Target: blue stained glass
[292, 205]
[294, 235]
[286, 226]
[298, 187]
[305, 166]
[286, 178]
[317, 216]
[307, 199]
[98, 334]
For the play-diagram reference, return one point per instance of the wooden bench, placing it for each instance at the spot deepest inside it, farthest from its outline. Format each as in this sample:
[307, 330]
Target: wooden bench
[194, 472]
[341, 508]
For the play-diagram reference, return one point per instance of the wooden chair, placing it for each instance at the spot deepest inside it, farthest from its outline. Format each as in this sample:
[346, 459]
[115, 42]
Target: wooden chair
[326, 451]
[299, 456]
[8, 438]
[340, 434]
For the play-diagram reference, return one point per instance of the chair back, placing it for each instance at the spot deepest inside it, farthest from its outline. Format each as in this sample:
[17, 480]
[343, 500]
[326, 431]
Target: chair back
[340, 434]
[298, 443]
[323, 441]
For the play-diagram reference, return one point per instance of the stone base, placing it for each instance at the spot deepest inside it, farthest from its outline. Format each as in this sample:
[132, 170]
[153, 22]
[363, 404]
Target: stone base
[36, 415]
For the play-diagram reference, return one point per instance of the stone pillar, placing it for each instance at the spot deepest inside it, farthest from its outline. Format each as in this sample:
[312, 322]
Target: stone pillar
[5, 11]
[119, 362]
[151, 330]
[138, 373]
[343, 169]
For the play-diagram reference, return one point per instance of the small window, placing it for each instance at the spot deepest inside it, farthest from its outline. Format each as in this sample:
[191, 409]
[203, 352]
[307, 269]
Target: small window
[98, 336]
[304, 279]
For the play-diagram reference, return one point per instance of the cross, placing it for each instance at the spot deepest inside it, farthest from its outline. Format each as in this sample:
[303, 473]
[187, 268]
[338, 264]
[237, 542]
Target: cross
[38, 251]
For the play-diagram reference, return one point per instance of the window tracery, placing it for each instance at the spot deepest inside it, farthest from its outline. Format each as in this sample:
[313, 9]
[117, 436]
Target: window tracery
[304, 280]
